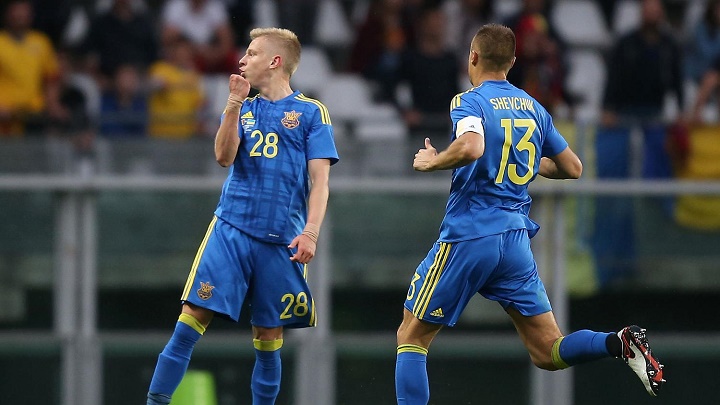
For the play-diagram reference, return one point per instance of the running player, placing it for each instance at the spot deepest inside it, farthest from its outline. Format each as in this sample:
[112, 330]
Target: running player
[502, 139]
[279, 146]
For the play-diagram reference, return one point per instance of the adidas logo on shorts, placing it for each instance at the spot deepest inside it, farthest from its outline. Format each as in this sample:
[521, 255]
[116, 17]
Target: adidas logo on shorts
[437, 313]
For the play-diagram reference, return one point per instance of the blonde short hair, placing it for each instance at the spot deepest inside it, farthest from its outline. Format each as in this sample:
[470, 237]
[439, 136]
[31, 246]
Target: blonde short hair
[288, 42]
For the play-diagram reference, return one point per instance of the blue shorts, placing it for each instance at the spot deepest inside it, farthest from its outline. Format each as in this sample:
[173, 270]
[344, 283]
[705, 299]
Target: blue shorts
[500, 267]
[230, 266]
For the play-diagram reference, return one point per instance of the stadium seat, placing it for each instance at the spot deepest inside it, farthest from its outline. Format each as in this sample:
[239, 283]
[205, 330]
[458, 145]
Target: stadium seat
[694, 10]
[332, 28]
[347, 97]
[76, 28]
[196, 388]
[265, 13]
[359, 12]
[506, 9]
[382, 145]
[580, 23]
[313, 72]
[89, 88]
[586, 81]
[626, 16]
[215, 90]
[382, 129]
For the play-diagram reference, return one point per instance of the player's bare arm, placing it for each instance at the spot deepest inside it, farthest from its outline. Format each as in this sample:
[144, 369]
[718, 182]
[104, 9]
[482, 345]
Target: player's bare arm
[227, 139]
[319, 171]
[464, 150]
[564, 165]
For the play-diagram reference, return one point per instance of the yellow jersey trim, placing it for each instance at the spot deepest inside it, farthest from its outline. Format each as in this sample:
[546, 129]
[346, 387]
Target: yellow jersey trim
[324, 114]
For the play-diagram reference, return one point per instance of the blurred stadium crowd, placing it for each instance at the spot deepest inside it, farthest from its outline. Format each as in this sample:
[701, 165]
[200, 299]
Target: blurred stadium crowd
[639, 75]
[152, 68]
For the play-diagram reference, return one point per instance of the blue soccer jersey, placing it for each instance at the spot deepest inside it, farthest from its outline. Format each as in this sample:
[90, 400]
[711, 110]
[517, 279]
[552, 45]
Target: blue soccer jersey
[489, 196]
[265, 194]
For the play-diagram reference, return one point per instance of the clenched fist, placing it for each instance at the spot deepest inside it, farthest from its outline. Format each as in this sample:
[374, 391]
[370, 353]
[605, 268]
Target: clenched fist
[239, 86]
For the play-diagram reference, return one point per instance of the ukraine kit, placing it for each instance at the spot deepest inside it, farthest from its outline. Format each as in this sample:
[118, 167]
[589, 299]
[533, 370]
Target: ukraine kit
[484, 243]
[262, 208]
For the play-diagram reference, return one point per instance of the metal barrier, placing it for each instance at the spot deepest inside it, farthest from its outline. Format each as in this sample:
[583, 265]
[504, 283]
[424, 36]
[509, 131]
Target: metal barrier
[75, 283]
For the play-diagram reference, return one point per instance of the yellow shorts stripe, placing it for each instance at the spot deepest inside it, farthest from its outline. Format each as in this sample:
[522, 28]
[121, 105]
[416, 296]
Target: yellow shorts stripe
[436, 279]
[411, 349]
[431, 278]
[196, 262]
[313, 318]
[425, 282]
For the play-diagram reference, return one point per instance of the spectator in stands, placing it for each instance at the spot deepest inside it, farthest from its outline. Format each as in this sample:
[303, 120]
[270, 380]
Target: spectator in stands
[177, 95]
[123, 35]
[539, 67]
[206, 24]
[643, 67]
[466, 16]
[704, 44]
[52, 17]
[123, 108]
[75, 116]
[380, 42]
[28, 73]
[430, 69]
[242, 18]
[708, 86]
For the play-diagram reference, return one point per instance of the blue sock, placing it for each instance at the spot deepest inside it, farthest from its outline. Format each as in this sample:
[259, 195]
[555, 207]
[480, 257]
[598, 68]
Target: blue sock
[411, 379]
[265, 382]
[174, 359]
[579, 347]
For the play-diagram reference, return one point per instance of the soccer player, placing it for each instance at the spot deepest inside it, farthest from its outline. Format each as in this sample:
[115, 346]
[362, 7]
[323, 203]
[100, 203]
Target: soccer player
[502, 139]
[279, 146]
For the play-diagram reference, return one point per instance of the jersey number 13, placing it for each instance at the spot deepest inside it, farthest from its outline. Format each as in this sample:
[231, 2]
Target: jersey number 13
[524, 144]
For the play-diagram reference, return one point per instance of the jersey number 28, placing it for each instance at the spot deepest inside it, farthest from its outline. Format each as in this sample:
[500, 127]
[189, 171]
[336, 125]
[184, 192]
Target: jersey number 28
[523, 144]
[266, 145]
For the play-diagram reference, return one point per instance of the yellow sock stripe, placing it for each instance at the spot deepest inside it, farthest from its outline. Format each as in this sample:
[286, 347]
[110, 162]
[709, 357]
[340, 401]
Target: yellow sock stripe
[190, 321]
[198, 255]
[412, 349]
[426, 282]
[555, 355]
[267, 345]
[324, 114]
[436, 279]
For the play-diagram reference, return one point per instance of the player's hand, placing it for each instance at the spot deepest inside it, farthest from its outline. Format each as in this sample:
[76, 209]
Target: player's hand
[424, 156]
[239, 86]
[305, 249]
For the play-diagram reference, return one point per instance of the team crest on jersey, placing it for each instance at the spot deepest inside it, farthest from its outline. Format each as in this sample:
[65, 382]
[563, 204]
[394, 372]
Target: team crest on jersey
[205, 290]
[291, 120]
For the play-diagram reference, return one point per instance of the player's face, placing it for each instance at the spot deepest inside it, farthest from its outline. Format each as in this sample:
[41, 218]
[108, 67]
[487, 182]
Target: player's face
[255, 65]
